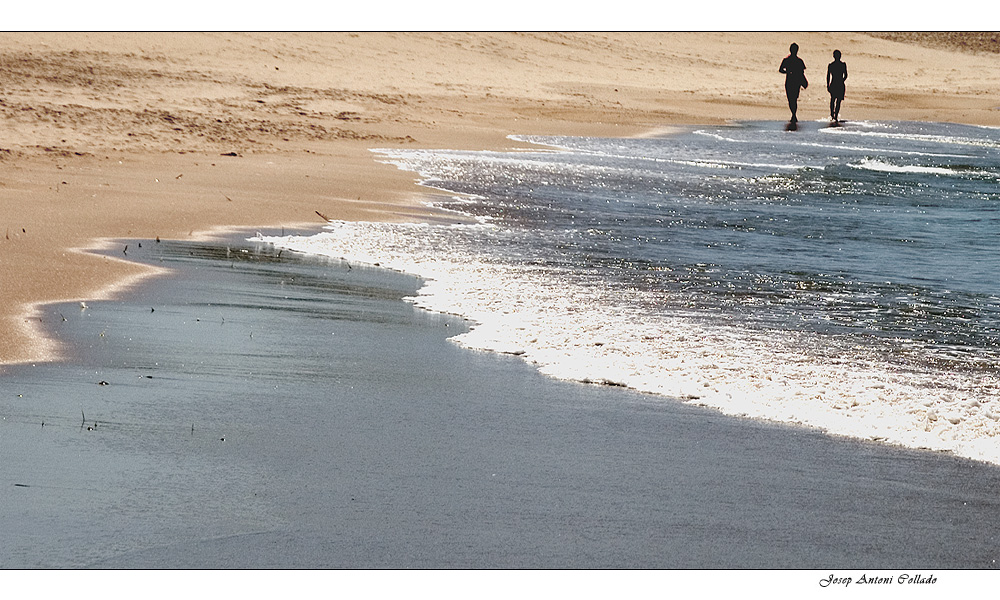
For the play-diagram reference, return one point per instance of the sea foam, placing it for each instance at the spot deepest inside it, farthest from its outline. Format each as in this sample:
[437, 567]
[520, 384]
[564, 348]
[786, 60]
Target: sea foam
[584, 332]
[841, 278]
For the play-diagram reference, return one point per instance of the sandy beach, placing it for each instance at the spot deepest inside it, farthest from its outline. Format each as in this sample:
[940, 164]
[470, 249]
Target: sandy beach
[214, 404]
[170, 135]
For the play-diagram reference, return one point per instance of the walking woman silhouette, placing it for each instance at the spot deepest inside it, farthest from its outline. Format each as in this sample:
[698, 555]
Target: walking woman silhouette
[836, 73]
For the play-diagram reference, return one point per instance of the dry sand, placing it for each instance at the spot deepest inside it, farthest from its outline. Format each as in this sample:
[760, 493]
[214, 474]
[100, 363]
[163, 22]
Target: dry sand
[119, 135]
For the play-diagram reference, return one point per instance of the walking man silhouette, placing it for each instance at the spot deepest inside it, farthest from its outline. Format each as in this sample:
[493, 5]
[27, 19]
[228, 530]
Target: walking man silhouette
[795, 77]
[836, 73]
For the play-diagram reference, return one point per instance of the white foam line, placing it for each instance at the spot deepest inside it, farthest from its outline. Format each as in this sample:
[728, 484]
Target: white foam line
[877, 165]
[884, 151]
[919, 137]
[589, 333]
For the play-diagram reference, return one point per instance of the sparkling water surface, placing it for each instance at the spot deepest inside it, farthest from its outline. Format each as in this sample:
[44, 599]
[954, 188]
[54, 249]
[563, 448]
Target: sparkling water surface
[838, 277]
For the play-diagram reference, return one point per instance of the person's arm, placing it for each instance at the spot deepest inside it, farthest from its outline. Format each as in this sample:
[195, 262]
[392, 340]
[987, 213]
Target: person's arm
[845, 71]
[829, 76]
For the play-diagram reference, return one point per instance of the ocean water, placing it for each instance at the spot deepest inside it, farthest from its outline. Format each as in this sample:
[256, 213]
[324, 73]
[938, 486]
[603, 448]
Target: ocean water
[845, 278]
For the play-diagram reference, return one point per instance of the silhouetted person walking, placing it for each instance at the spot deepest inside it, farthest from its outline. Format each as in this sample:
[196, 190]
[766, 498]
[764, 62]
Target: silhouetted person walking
[795, 78]
[836, 74]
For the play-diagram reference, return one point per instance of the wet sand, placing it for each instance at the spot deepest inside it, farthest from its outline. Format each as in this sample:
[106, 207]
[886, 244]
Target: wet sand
[250, 410]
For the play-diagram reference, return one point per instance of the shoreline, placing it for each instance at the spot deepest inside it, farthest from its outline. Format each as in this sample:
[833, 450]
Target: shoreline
[117, 136]
[258, 411]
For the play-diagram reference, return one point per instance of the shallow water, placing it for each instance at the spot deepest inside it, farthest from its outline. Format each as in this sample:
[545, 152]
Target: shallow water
[267, 410]
[839, 277]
